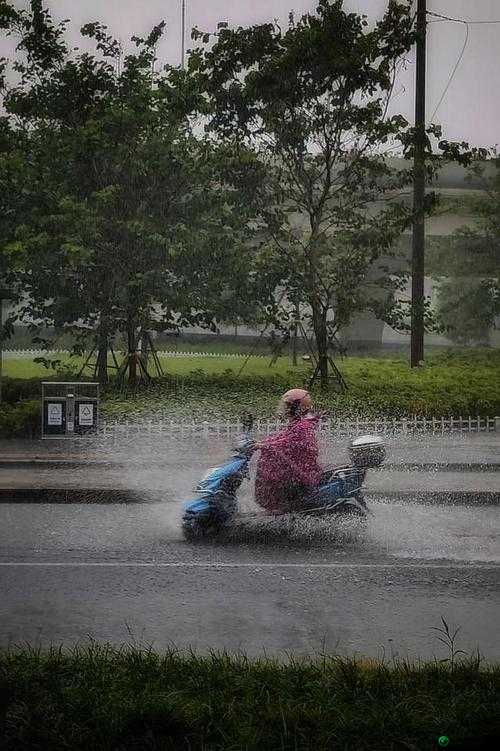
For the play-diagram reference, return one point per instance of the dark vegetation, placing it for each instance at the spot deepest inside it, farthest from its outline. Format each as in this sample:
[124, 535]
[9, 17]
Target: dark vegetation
[450, 384]
[120, 699]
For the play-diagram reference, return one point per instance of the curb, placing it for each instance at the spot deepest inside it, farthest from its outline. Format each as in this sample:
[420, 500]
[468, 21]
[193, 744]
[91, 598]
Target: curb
[112, 496]
[104, 463]
[442, 467]
[70, 495]
[438, 498]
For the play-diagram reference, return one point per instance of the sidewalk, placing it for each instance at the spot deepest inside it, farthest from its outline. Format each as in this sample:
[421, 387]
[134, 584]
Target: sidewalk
[457, 468]
[454, 452]
[65, 477]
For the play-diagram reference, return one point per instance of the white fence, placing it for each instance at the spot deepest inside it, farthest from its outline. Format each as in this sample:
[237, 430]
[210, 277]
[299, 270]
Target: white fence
[337, 427]
[161, 353]
[33, 352]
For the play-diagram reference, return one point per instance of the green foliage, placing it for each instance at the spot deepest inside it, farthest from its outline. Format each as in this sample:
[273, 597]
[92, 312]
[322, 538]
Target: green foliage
[20, 420]
[116, 214]
[468, 307]
[468, 266]
[449, 385]
[15, 388]
[312, 100]
[176, 701]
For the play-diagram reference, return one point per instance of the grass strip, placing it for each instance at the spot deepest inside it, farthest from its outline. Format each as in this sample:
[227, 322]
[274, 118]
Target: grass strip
[100, 697]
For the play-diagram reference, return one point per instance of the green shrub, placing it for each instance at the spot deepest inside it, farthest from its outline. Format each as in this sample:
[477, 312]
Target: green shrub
[21, 420]
[16, 389]
[445, 387]
[450, 384]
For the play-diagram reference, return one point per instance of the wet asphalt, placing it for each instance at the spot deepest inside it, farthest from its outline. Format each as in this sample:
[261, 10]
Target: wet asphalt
[123, 573]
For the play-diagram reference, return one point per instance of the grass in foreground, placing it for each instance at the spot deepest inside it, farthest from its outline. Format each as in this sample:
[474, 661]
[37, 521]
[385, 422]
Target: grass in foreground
[105, 698]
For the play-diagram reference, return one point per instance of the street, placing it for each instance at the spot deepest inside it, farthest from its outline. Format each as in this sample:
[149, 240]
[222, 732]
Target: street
[123, 572]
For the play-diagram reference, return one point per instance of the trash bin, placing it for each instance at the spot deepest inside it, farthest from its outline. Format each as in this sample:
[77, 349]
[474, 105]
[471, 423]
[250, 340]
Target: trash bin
[54, 417]
[69, 408]
[85, 416]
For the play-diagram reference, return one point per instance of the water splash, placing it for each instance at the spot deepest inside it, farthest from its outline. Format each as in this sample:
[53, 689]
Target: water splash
[165, 470]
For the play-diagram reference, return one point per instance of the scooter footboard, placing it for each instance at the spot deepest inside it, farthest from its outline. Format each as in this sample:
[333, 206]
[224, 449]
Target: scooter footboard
[352, 478]
[337, 484]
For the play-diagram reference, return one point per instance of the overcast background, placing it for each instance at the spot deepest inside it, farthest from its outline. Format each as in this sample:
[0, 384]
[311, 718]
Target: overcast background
[470, 110]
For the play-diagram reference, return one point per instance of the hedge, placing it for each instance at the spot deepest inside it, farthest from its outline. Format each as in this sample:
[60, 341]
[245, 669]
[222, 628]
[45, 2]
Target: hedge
[20, 420]
[450, 384]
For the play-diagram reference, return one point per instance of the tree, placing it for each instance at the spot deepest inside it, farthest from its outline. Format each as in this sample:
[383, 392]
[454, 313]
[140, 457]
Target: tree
[312, 101]
[127, 212]
[467, 265]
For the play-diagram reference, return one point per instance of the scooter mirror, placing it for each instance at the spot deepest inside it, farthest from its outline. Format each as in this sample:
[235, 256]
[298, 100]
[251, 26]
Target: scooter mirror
[247, 421]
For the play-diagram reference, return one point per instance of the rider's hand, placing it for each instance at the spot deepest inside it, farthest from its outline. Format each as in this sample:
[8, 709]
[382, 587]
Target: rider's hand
[245, 445]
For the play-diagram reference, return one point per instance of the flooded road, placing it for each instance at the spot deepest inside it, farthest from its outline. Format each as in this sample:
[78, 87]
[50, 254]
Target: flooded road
[394, 531]
[123, 573]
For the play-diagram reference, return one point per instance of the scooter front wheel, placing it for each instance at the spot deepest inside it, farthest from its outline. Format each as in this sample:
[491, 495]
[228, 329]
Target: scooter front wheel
[196, 528]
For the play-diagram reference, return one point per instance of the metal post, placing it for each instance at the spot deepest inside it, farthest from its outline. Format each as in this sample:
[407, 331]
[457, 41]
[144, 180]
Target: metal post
[70, 413]
[1, 342]
[418, 244]
[183, 33]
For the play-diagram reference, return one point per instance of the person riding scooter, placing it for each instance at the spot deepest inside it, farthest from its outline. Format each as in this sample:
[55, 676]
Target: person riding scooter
[288, 469]
[289, 478]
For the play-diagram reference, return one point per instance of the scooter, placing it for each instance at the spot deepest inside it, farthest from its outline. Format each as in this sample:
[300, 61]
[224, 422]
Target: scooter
[339, 492]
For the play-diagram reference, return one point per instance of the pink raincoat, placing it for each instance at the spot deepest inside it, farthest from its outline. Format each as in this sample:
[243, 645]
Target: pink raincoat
[288, 465]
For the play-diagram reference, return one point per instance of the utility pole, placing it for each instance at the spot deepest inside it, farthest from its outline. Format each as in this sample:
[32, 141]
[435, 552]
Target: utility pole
[183, 32]
[4, 295]
[418, 244]
[1, 342]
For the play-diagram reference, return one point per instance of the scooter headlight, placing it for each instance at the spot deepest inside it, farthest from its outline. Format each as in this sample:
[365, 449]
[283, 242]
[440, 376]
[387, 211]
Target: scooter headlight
[208, 473]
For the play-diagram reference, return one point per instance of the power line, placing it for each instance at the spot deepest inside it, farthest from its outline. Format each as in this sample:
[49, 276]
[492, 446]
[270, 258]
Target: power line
[458, 20]
[183, 32]
[455, 68]
[467, 24]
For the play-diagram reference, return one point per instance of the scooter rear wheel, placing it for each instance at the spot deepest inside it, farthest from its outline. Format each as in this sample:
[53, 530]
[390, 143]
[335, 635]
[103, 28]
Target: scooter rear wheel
[354, 511]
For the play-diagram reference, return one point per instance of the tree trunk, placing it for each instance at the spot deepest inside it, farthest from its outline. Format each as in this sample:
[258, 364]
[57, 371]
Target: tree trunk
[319, 310]
[102, 354]
[321, 337]
[295, 335]
[132, 354]
[144, 348]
